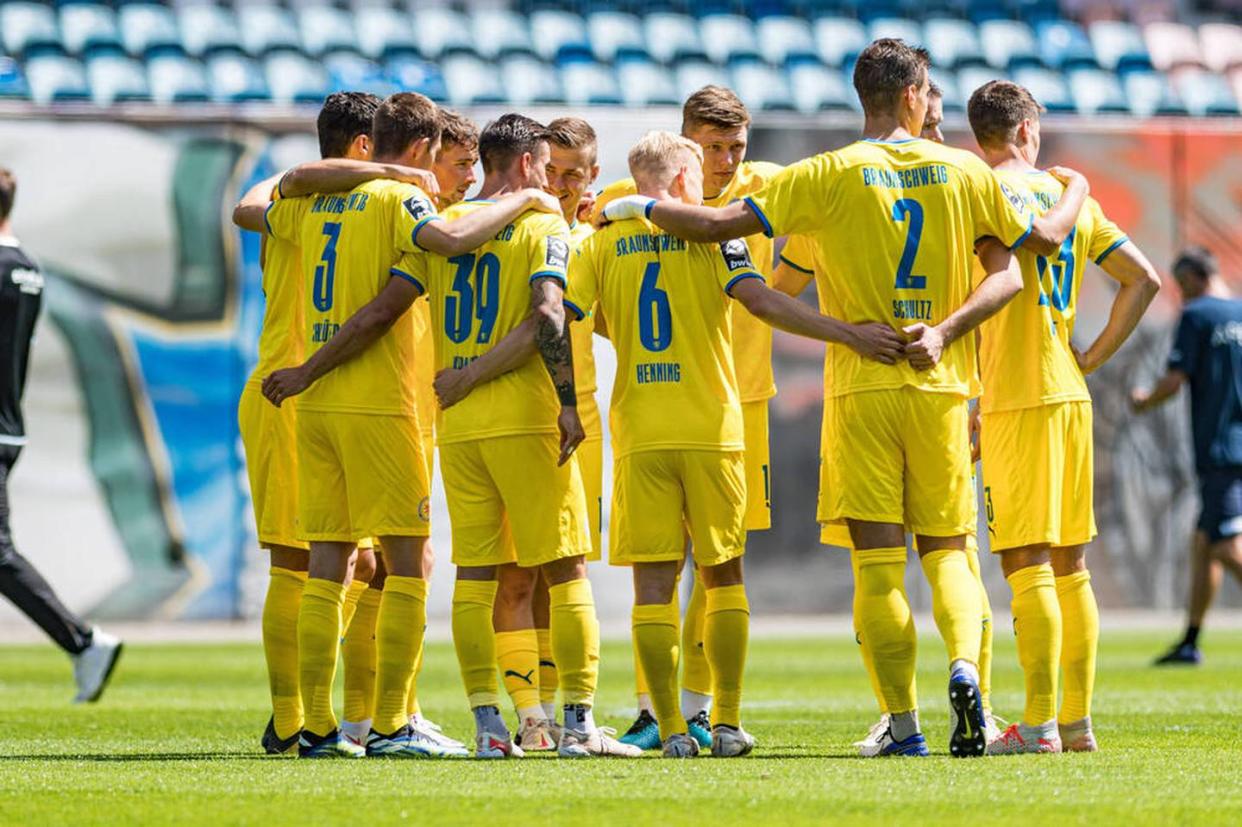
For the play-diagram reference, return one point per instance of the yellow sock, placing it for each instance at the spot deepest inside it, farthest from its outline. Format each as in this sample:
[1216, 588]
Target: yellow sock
[319, 636]
[575, 640]
[548, 679]
[1081, 640]
[280, 646]
[358, 657]
[696, 672]
[864, 646]
[985, 640]
[955, 603]
[886, 621]
[474, 638]
[1037, 625]
[398, 635]
[412, 706]
[353, 594]
[656, 649]
[726, 639]
[518, 656]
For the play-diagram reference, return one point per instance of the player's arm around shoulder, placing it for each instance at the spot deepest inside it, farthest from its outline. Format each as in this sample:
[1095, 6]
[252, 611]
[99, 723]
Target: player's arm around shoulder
[473, 229]
[1049, 231]
[249, 211]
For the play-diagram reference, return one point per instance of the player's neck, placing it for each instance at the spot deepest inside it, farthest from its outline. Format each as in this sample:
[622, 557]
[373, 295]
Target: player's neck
[6, 229]
[658, 193]
[1010, 157]
[886, 128]
[1216, 287]
[494, 186]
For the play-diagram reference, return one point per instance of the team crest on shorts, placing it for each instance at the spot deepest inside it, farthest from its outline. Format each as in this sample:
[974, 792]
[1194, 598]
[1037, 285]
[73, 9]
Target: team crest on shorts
[424, 509]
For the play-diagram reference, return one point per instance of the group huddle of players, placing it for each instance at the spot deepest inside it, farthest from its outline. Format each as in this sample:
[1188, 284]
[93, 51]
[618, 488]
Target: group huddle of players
[685, 268]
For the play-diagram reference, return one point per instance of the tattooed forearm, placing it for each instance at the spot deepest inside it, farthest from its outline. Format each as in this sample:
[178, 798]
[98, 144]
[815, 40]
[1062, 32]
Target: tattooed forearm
[552, 338]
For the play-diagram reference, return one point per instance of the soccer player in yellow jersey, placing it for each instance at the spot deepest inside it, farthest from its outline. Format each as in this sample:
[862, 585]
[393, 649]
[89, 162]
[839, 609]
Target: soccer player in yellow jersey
[1035, 435]
[360, 464]
[896, 218]
[717, 120]
[678, 433]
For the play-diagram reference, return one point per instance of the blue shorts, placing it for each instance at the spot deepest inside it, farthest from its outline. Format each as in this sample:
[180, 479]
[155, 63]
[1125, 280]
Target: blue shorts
[1220, 496]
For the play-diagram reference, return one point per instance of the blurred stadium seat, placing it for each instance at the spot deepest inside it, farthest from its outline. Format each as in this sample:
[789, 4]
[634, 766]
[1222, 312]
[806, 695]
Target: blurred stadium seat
[442, 31]
[54, 78]
[529, 80]
[86, 27]
[952, 43]
[471, 80]
[839, 40]
[325, 29]
[1171, 45]
[762, 87]
[414, 74]
[816, 88]
[384, 32]
[1204, 93]
[174, 78]
[692, 75]
[499, 32]
[1063, 45]
[1097, 92]
[673, 37]
[1047, 86]
[1149, 93]
[266, 29]
[13, 84]
[295, 78]
[728, 38]
[615, 34]
[1118, 46]
[783, 39]
[28, 29]
[588, 82]
[116, 78]
[562, 35]
[206, 29]
[1008, 44]
[349, 71]
[235, 78]
[1222, 45]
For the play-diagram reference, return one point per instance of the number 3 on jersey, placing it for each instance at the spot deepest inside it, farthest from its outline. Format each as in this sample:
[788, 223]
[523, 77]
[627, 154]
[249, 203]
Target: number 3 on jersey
[325, 270]
[475, 299]
[911, 210]
[655, 320]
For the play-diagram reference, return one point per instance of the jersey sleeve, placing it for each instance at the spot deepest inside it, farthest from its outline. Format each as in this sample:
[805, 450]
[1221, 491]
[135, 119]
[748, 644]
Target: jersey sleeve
[583, 289]
[999, 210]
[284, 218]
[1184, 356]
[413, 268]
[799, 253]
[550, 252]
[610, 193]
[1105, 235]
[416, 212]
[796, 198]
[733, 264]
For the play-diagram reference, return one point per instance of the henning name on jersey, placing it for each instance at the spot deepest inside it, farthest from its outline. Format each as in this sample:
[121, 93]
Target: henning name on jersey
[925, 176]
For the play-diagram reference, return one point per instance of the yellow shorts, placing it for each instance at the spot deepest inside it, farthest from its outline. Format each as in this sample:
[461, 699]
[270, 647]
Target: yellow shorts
[1038, 476]
[902, 456]
[758, 466]
[660, 496]
[508, 501]
[427, 439]
[361, 475]
[269, 437]
[590, 456]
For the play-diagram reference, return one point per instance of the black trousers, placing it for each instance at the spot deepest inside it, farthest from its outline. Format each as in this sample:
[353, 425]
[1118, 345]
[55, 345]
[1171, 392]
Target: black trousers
[22, 584]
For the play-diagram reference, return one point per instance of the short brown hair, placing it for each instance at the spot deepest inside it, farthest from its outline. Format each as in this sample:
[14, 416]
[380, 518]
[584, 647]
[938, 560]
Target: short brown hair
[657, 157]
[8, 191]
[507, 138]
[1196, 259]
[401, 120]
[458, 130]
[714, 106]
[344, 116]
[997, 108]
[573, 133]
[883, 71]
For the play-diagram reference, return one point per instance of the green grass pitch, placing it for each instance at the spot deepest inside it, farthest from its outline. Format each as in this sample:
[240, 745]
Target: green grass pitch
[175, 740]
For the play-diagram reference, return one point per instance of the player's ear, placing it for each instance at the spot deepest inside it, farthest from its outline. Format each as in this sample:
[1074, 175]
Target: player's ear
[361, 147]
[677, 186]
[594, 174]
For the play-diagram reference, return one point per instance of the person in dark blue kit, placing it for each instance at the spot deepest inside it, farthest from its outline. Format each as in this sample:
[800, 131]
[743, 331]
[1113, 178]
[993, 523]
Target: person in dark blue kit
[94, 652]
[1207, 354]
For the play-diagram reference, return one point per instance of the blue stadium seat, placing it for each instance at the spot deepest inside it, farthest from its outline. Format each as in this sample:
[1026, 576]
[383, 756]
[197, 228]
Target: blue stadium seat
[498, 32]
[28, 29]
[786, 40]
[266, 29]
[351, 72]
[971, 78]
[673, 37]
[235, 78]
[147, 29]
[1222, 45]
[206, 29]
[55, 78]
[1172, 45]
[384, 32]
[762, 87]
[13, 84]
[1008, 44]
[982, 11]
[1047, 86]
[728, 38]
[528, 80]
[900, 28]
[116, 78]
[952, 43]
[326, 29]
[1063, 45]
[1035, 12]
[440, 32]
[1118, 46]
[471, 81]
[692, 75]
[561, 36]
[414, 74]
[174, 78]
[1149, 93]
[816, 88]
[295, 78]
[839, 40]
[645, 83]
[85, 27]
[1096, 91]
[950, 89]
[1204, 93]
[588, 82]
[616, 35]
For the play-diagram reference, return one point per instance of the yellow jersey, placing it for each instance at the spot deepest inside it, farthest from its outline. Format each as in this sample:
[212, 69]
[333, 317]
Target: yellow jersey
[583, 334]
[895, 222]
[670, 325]
[476, 300]
[424, 365]
[280, 343]
[752, 339]
[350, 242]
[1026, 358]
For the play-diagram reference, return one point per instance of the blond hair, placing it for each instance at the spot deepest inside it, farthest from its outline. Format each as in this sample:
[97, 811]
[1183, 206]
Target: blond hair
[573, 133]
[658, 156]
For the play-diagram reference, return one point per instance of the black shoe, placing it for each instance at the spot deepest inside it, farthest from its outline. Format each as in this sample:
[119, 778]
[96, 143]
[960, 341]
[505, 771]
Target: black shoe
[1183, 654]
[273, 744]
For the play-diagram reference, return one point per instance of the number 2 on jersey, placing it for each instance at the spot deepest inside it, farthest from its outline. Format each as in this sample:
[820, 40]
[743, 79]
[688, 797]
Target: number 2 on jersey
[475, 299]
[655, 320]
[325, 270]
[911, 210]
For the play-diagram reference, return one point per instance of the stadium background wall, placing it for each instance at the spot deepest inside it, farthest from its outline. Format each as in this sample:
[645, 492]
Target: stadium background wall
[132, 493]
